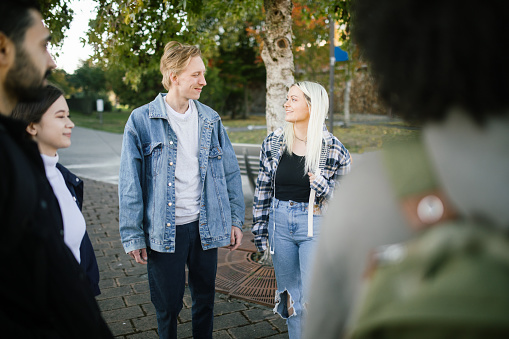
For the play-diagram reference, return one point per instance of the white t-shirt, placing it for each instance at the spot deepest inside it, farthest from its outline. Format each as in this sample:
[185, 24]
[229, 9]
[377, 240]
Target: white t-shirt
[187, 171]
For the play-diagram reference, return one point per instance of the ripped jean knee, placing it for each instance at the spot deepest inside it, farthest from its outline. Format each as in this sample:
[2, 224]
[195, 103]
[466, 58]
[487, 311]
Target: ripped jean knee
[284, 304]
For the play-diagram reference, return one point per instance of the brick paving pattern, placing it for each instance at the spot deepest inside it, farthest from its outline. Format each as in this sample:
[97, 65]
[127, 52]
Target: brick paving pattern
[125, 299]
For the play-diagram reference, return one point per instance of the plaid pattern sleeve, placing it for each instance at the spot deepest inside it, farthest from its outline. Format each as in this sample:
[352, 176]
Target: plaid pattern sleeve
[263, 194]
[337, 164]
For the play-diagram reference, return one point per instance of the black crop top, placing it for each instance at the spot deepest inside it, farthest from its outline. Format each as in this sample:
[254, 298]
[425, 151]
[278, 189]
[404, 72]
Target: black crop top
[292, 183]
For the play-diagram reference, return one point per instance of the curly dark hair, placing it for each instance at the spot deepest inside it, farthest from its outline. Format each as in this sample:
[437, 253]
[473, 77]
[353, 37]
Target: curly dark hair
[430, 56]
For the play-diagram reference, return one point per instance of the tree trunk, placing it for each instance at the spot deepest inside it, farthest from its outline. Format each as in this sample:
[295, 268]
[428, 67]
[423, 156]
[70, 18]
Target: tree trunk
[277, 56]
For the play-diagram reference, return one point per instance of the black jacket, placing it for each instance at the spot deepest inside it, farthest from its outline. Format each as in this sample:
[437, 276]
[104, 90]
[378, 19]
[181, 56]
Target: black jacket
[43, 291]
[88, 261]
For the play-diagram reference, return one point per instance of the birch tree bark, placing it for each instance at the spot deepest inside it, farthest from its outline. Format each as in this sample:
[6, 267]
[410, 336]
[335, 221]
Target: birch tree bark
[278, 58]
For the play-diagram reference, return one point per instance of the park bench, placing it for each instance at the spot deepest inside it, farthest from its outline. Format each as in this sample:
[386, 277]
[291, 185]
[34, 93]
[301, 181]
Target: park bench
[248, 157]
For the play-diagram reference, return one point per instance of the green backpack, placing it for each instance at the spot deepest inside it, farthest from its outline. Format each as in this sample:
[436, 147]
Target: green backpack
[450, 281]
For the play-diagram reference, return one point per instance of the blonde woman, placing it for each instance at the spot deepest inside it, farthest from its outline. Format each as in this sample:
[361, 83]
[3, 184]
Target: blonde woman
[299, 165]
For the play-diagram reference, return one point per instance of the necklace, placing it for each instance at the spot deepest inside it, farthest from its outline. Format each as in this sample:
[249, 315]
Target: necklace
[304, 141]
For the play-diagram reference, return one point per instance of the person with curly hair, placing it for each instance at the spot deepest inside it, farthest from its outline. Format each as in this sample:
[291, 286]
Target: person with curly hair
[440, 64]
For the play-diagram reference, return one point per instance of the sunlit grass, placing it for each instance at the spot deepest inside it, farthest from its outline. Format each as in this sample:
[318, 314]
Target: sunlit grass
[366, 138]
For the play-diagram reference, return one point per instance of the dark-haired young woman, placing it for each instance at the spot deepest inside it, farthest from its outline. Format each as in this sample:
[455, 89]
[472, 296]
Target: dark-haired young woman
[49, 124]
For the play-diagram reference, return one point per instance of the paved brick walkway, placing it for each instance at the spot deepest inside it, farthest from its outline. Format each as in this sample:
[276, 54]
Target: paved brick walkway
[125, 299]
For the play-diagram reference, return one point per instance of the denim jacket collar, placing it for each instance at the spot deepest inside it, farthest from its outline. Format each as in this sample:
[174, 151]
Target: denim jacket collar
[157, 109]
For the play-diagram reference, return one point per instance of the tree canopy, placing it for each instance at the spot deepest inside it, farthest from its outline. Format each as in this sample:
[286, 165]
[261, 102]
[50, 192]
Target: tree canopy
[128, 38]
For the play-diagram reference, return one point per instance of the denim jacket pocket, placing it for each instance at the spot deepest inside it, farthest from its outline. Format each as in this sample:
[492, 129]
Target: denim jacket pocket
[152, 154]
[216, 162]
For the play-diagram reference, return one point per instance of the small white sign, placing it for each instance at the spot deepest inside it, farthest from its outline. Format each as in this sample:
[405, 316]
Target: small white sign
[100, 105]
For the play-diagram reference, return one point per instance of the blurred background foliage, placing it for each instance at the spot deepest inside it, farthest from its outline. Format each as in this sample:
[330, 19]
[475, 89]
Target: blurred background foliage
[128, 38]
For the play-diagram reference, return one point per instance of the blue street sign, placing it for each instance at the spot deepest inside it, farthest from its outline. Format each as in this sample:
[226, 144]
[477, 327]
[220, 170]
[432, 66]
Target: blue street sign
[340, 55]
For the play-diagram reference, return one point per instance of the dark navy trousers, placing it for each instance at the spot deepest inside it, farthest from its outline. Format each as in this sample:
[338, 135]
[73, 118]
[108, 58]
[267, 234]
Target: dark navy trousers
[166, 274]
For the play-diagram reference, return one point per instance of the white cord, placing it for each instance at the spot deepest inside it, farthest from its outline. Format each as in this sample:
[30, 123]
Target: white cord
[311, 205]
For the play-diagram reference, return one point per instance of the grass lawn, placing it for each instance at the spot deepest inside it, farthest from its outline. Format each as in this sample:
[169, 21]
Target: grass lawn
[252, 120]
[357, 138]
[366, 138]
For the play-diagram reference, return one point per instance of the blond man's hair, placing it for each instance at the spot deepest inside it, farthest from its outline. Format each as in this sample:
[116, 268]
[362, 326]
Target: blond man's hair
[175, 59]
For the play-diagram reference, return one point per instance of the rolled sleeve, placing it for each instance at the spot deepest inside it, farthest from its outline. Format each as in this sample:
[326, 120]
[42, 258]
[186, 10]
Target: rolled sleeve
[322, 186]
[261, 242]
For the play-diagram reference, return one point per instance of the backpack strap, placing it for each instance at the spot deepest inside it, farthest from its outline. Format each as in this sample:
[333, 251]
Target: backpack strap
[411, 173]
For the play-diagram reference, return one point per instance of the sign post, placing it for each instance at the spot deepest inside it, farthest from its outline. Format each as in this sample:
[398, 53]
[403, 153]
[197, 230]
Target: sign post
[100, 109]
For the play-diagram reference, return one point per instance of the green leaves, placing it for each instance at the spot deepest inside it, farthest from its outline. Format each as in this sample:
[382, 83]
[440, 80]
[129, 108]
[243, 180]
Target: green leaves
[57, 16]
[128, 38]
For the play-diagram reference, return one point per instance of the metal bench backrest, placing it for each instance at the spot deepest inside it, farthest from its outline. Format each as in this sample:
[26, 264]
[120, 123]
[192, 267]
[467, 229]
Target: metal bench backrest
[248, 157]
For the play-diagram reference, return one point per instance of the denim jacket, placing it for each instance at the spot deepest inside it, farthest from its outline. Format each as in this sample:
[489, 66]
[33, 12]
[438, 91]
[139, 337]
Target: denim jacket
[147, 180]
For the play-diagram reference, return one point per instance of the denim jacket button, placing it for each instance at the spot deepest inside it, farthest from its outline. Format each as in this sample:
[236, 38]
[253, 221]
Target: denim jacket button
[168, 224]
[169, 184]
[171, 163]
[171, 142]
[167, 247]
[169, 204]
[219, 157]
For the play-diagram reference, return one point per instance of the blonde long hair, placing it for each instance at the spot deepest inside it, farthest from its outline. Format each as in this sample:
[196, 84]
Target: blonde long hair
[318, 104]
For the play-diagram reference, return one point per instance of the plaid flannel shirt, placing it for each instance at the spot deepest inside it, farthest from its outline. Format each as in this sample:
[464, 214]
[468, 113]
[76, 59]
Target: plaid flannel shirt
[337, 163]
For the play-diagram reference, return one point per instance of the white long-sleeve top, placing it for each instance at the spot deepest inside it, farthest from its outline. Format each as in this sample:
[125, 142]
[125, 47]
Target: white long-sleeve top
[74, 222]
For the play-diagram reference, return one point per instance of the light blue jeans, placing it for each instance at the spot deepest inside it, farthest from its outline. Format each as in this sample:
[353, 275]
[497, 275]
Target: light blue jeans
[292, 258]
